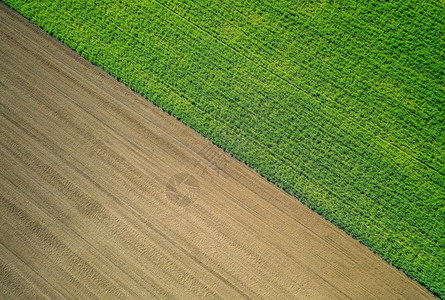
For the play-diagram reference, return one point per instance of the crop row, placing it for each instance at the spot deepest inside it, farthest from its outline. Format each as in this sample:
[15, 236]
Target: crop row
[372, 74]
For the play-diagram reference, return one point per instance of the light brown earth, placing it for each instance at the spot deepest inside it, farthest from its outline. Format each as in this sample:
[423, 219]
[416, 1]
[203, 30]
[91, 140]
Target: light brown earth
[89, 207]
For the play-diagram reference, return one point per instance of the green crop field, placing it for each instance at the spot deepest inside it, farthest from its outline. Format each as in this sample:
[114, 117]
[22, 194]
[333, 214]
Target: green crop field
[340, 103]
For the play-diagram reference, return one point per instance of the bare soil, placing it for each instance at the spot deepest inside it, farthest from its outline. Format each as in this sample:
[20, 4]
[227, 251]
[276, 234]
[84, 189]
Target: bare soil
[104, 195]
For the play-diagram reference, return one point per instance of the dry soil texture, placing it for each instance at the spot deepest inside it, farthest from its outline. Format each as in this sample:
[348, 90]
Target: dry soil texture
[104, 195]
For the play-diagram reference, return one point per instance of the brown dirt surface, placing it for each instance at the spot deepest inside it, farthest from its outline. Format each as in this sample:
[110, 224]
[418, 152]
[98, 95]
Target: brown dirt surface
[104, 195]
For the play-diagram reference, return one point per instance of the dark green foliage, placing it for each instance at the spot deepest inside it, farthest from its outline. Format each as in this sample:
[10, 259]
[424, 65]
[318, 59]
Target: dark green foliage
[340, 103]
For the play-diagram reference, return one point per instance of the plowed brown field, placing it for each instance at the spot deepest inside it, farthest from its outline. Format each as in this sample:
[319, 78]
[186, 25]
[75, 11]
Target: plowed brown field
[104, 195]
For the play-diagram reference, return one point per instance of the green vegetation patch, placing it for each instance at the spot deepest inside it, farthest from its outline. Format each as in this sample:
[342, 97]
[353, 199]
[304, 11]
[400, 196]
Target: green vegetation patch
[340, 103]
